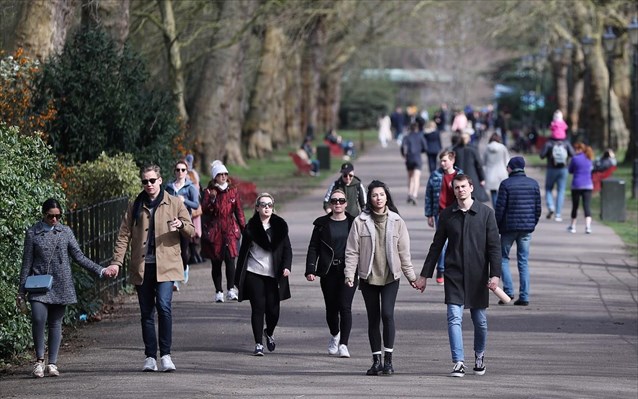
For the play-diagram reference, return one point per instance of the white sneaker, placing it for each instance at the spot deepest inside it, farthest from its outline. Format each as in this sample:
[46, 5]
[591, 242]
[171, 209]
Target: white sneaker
[38, 370]
[333, 344]
[52, 370]
[219, 297]
[231, 295]
[167, 363]
[186, 274]
[175, 286]
[150, 364]
[558, 218]
[343, 351]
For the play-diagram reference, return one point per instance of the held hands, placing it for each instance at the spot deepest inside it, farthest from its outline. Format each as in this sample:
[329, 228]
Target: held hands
[420, 283]
[111, 271]
[349, 282]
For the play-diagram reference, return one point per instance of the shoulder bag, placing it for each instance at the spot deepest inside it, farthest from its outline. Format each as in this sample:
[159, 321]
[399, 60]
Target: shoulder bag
[40, 284]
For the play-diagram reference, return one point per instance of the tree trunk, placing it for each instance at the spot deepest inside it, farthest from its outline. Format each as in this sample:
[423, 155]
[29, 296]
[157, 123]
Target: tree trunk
[310, 76]
[329, 99]
[110, 15]
[173, 49]
[293, 94]
[43, 26]
[265, 123]
[216, 115]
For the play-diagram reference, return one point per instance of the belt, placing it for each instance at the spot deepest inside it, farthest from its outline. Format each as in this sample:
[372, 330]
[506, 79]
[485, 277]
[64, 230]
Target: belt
[337, 262]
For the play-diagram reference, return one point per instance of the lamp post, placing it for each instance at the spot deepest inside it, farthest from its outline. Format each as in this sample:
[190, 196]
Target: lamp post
[609, 41]
[587, 43]
[632, 29]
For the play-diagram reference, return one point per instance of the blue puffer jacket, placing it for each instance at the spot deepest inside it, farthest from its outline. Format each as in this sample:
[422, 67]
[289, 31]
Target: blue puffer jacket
[433, 191]
[518, 206]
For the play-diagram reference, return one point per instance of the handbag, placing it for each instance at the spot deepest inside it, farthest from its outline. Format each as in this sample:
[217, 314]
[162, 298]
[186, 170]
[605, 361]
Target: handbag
[197, 212]
[38, 284]
[41, 283]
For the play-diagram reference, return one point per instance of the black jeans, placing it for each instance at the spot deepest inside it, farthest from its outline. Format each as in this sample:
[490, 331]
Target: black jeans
[216, 271]
[338, 298]
[263, 292]
[380, 302]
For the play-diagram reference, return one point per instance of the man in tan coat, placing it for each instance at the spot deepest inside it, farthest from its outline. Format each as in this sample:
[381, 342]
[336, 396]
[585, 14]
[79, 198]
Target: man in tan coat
[152, 225]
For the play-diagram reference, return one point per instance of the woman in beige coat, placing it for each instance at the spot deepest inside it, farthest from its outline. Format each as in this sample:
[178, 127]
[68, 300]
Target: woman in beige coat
[378, 249]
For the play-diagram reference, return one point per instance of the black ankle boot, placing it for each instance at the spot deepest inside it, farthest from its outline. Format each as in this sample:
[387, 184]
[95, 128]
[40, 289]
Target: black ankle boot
[387, 364]
[376, 366]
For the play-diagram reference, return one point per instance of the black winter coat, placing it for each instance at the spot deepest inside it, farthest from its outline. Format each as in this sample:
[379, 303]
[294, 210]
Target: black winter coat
[518, 206]
[473, 254]
[320, 249]
[279, 245]
[468, 159]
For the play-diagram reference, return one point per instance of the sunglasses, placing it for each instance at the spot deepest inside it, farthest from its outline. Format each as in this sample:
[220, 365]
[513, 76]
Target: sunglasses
[335, 201]
[180, 169]
[349, 175]
[146, 181]
[223, 174]
[266, 204]
[52, 216]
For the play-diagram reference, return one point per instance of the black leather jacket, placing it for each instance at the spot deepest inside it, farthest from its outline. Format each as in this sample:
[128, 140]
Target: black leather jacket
[320, 255]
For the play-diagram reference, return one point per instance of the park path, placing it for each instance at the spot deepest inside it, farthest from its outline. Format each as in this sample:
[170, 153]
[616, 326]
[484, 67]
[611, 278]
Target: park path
[577, 339]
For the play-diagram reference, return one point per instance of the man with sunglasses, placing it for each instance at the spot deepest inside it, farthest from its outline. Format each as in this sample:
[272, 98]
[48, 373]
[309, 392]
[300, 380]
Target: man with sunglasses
[153, 225]
[352, 186]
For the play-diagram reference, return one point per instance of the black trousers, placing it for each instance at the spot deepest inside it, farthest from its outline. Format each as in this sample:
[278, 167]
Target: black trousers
[216, 271]
[338, 298]
[263, 292]
[380, 300]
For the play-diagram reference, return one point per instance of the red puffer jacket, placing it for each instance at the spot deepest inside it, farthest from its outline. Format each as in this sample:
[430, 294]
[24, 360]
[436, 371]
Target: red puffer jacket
[224, 221]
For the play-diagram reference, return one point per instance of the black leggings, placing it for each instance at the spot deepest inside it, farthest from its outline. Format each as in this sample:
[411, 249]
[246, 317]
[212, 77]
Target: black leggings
[576, 194]
[263, 292]
[216, 271]
[338, 298]
[380, 302]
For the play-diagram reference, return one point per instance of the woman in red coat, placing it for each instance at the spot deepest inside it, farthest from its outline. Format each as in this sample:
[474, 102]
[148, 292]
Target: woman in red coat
[224, 222]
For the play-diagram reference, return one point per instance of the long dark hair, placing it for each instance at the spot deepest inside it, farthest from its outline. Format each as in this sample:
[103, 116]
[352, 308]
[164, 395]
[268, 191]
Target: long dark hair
[376, 184]
[49, 204]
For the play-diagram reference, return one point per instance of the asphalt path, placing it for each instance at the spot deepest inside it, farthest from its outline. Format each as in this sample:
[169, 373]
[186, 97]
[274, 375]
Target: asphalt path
[577, 339]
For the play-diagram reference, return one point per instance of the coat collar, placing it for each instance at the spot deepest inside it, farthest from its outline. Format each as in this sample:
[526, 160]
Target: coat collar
[279, 231]
[41, 228]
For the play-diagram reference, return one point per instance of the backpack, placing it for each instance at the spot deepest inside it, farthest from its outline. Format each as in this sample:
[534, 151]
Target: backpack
[559, 154]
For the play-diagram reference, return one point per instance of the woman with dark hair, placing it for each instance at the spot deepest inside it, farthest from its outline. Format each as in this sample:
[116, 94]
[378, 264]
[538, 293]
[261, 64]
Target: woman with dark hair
[49, 247]
[378, 250]
[183, 188]
[326, 259]
[263, 267]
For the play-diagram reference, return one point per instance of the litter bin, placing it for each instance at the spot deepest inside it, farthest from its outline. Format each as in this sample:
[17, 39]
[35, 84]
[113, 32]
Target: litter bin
[612, 200]
[323, 156]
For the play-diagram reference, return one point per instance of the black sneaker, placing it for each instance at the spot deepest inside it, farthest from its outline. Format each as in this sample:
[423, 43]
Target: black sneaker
[458, 370]
[259, 350]
[550, 214]
[520, 302]
[479, 365]
[270, 341]
[500, 301]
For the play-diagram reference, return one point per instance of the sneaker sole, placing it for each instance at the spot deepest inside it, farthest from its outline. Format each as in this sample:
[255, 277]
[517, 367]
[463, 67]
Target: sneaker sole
[481, 372]
[458, 375]
[258, 354]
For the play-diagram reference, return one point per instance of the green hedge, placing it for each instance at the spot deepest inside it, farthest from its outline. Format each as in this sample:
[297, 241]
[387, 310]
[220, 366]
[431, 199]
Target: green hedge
[25, 182]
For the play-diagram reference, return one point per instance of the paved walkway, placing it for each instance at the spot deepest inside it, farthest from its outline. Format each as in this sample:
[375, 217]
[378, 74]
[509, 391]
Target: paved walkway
[577, 339]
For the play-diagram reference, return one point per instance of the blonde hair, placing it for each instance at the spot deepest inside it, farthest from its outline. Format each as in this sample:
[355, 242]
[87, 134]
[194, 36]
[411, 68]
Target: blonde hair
[262, 195]
[338, 190]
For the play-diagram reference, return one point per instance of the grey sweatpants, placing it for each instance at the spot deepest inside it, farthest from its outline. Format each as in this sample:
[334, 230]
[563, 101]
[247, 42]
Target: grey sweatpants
[43, 314]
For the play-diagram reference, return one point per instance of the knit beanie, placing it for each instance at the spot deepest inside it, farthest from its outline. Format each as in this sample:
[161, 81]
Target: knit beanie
[516, 163]
[216, 168]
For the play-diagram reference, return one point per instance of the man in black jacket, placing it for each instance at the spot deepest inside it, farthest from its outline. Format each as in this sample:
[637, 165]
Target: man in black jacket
[518, 208]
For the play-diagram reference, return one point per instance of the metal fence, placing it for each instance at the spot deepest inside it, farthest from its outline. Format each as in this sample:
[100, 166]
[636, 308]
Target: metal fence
[96, 228]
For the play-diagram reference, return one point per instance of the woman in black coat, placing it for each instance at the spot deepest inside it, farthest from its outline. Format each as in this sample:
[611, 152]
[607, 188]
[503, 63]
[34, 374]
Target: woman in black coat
[326, 259]
[263, 267]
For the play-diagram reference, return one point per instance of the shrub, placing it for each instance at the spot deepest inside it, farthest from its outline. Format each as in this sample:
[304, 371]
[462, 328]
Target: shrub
[364, 101]
[103, 103]
[26, 181]
[100, 180]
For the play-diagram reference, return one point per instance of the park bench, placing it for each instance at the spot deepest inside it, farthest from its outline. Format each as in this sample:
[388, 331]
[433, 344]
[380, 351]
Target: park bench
[247, 190]
[303, 167]
[336, 150]
[599, 176]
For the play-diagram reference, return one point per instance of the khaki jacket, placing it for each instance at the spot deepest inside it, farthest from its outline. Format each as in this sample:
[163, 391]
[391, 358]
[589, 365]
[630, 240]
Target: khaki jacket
[361, 245]
[167, 248]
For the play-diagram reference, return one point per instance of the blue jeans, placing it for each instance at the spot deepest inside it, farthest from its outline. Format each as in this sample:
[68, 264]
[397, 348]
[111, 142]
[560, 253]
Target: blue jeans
[558, 177]
[523, 240]
[153, 295]
[440, 266]
[455, 330]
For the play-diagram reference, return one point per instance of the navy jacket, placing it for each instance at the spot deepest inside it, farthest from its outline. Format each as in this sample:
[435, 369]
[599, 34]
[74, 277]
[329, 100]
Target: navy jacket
[518, 205]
